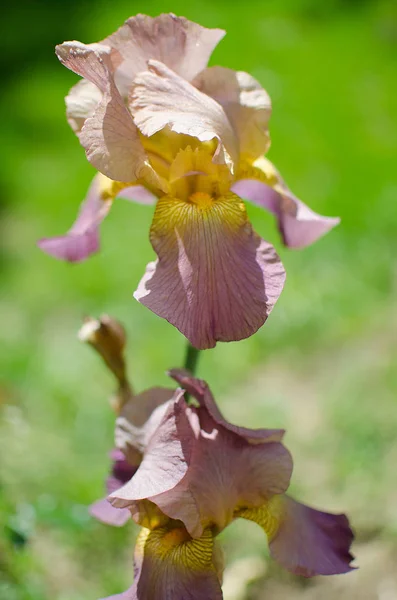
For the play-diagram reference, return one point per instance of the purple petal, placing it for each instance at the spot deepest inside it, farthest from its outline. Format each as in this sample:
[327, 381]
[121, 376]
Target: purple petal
[215, 279]
[104, 512]
[310, 542]
[298, 224]
[225, 472]
[200, 391]
[82, 239]
[109, 136]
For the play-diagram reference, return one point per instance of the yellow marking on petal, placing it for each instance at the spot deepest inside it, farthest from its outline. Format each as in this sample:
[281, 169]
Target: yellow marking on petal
[201, 199]
[149, 515]
[174, 545]
[173, 214]
[109, 188]
[193, 170]
[269, 516]
[261, 169]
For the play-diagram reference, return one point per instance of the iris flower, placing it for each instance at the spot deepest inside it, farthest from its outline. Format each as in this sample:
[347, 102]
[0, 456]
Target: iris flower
[161, 127]
[196, 474]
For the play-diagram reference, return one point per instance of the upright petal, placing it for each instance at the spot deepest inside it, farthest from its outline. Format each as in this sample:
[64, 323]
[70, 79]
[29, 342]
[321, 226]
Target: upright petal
[170, 565]
[81, 103]
[200, 390]
[246, 104]
[109, 136]
[166, 458]
[298, 224]
[215, 279]
[139, 419]
[225, 473]
[82, 239]
[162, 98]
[182, 45]
[305, 541]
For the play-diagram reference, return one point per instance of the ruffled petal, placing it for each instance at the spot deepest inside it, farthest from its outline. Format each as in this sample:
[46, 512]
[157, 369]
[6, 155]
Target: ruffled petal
[182, 45]
[246, 104]
[139, 418]
[200, 390]
[298, 224]
[305, 541]
[225, 473]
[162, 98]
[215, 279]
[166, 458]
[109, 136]
[170, 565]
[82, 239]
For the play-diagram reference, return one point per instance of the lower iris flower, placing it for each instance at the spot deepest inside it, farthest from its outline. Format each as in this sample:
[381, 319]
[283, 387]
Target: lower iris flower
[197, 474]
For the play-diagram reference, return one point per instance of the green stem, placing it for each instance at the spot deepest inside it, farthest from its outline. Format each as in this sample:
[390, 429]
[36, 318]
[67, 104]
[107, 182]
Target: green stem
[191, 359]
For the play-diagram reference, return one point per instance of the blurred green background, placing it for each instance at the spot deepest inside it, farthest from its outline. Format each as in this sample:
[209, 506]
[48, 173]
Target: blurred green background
[323, 367]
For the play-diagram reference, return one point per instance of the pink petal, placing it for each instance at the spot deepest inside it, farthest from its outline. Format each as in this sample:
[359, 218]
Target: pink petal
[82, 239]
[246, 104]
[298, 224]
[165, 461]
[129, 594]
[200, 391]
[225, 472]
[160, 97]
[81, 103]
[182, 45]
[109, 136]
[104, 512]
[215, 279]
[310, 542]
[138, 421]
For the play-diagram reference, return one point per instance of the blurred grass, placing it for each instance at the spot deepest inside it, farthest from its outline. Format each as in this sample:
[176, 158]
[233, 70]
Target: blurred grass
[324, 366]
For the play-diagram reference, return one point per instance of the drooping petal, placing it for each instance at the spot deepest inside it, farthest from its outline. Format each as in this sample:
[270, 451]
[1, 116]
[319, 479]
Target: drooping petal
[82, 239]
[246, 104]
[165, 460]
[298, 224]
[305, 541]
[184, 46]
[200, 390]
[109, 136]
[215, 279]
[162, 98]
[102, 510]
[170, 565]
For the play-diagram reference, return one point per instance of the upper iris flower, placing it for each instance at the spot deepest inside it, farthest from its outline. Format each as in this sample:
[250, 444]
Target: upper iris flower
[197, 473]
[161, 126]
